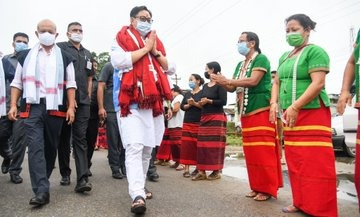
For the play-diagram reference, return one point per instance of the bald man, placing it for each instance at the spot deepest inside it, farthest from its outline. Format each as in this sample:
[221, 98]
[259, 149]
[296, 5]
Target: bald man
[45, 80]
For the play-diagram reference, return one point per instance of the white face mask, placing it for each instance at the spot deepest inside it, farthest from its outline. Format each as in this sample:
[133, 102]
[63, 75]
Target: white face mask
[143, 28]
[47, 38]
[76, 37]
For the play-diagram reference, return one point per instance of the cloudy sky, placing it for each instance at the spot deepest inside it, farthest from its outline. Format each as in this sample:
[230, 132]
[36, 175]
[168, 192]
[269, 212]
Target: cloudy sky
[195, 32]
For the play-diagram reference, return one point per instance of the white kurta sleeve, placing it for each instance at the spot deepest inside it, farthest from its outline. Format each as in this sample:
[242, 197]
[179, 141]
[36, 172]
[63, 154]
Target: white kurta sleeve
[17, 81]
[70, 76]
[120, 59]
[171, 68]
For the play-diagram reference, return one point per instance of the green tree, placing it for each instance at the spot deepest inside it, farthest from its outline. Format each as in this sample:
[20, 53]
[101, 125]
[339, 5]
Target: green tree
[101, 59]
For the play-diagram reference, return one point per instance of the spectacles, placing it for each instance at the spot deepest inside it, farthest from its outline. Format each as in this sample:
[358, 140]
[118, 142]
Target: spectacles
[145, 19]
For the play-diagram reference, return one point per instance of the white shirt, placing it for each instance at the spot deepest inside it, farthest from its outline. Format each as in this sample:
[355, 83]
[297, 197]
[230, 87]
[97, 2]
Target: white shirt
[177, 118]
[42, 60]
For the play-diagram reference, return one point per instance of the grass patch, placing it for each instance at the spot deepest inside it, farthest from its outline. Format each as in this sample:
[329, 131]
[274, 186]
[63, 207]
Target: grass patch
[233, 136]
[234, 140]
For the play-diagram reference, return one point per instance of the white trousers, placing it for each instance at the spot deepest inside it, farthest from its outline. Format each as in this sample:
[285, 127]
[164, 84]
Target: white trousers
[140, 132]
[137, 159]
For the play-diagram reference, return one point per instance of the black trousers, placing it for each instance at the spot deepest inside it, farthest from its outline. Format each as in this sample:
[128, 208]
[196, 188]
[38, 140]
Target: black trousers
[91, 135]
[18, 146]
[116, 153]
[64, 150]
[152, 166]
[5, 133]
[42, 136]
[79, 140]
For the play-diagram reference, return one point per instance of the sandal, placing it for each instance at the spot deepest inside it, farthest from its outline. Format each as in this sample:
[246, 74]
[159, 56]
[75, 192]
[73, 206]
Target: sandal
[186, 174]
[148, 194]
[180, 167]
[164, 163]
[290, 209]
[194, 173]
[174, 165]
[199, 176]
[214, 175]
[262, 197]
[251, 194]
[139, 205]
[158, 162]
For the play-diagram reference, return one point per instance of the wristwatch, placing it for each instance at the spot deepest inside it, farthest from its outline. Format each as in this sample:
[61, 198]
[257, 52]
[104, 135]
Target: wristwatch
[157, 55]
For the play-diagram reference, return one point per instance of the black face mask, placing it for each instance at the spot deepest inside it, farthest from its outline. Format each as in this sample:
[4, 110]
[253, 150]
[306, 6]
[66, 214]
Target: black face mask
[206, 74]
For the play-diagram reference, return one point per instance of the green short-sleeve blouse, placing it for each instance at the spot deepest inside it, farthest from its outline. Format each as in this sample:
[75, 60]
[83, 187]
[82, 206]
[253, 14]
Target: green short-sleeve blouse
[312, 59]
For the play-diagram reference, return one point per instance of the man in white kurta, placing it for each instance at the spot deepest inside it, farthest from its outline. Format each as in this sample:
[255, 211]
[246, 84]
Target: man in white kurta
[140, 129]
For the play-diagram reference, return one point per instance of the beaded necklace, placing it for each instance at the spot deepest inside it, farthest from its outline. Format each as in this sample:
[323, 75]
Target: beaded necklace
[294, 72]
[243, 91]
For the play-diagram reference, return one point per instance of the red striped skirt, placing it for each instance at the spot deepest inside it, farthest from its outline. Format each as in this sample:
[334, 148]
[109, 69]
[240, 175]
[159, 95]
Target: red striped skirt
[164, 151]
[261, 153]
[357, 161]
[211, 142]
[188, 143]
[175, 142]
[311, 162]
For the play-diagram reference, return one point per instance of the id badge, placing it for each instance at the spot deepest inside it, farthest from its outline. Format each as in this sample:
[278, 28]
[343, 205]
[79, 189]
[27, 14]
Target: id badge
[88, 65]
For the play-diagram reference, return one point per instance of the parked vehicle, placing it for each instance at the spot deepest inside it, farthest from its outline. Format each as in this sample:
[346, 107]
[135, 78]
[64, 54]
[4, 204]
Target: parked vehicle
[344, 131]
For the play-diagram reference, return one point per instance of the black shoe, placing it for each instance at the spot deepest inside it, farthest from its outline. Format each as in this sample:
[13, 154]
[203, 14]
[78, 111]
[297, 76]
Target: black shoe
[16, 179]
[117, 175]
[83, 186]
[65, 180]
[123, 170]
[40, 199]
[154, 177]
[5, 165]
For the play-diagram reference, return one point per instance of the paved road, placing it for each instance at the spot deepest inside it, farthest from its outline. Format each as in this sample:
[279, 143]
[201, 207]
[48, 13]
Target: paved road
[173, 196]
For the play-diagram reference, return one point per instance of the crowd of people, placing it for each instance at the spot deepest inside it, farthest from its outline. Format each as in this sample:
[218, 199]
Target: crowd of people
[51, 104]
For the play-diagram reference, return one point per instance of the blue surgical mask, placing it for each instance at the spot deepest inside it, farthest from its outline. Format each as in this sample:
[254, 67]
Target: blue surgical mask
[192, 84]
[143, 27]
[19, 46]
[242, 48]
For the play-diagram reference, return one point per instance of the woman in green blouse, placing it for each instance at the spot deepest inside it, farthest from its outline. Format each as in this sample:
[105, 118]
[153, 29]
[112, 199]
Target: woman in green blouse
[299, 91]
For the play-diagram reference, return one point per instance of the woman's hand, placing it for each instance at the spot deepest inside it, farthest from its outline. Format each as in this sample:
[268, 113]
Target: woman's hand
[290, 116]
[191, 101]
[345, 98]
[219, 79]
[204, 101]
[274, 109]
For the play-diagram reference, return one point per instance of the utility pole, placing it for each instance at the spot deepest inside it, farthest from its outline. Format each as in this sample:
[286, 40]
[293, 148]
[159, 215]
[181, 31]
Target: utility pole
[176, 79]
[352, 39]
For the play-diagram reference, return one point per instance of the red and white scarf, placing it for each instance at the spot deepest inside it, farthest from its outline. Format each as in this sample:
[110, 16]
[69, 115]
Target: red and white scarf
[146, 72]
[54, 77]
